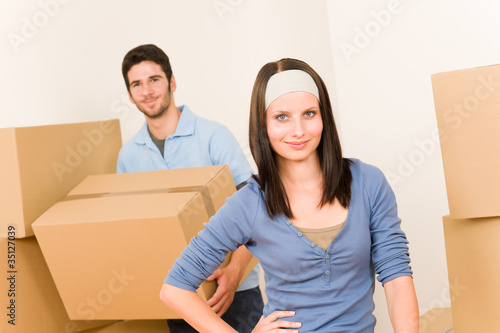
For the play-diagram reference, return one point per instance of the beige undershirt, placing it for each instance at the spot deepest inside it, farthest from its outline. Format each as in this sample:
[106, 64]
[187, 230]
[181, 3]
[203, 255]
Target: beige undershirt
[322, 237]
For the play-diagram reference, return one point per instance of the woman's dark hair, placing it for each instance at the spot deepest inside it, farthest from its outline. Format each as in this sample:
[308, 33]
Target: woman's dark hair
[147, 52]
[336, 170]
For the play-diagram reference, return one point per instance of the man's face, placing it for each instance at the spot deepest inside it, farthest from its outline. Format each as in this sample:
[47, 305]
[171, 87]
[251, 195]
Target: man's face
[149, 89]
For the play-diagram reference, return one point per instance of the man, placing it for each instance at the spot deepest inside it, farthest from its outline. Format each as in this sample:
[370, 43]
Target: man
[174, 137]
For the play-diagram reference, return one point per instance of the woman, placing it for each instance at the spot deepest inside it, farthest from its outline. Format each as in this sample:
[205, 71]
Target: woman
[322, 226]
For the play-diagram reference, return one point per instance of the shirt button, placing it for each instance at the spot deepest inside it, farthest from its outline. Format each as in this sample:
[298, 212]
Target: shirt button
[288, 222]
[327, 272]
[327, 256]
[313, 245]
[299, 234]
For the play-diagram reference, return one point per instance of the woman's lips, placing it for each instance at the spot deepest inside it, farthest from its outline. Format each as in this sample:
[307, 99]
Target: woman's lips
[297, 144]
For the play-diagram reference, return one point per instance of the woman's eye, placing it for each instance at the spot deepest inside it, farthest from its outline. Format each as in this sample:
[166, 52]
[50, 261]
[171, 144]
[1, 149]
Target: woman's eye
[281, 117]
[309, 114]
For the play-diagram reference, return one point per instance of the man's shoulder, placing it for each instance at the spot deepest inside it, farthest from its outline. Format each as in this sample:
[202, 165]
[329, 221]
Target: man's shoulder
[199, 124]
[133, 142]
[127, 146]
[209, 124]
[212, 129]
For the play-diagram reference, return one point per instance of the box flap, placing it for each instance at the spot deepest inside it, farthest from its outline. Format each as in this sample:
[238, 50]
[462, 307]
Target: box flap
[109, 207]
[147, 180]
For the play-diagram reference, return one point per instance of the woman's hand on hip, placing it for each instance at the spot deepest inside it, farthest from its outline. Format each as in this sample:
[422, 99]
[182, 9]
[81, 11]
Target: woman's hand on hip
[272, 323]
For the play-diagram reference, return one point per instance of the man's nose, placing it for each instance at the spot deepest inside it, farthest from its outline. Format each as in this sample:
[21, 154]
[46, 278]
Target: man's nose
[147, 90]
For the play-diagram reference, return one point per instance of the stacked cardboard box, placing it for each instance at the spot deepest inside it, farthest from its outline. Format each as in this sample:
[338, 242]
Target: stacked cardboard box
[134, 326]
[110, 243]
[40, 165]
[467, 107]
[30, 300]
[436, 320]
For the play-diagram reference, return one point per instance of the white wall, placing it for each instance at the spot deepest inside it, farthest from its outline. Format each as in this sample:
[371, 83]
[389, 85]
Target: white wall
[60, 63]
[386, 111]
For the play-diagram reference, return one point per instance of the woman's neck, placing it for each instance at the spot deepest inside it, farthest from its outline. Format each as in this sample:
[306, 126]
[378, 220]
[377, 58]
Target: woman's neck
[298, 175]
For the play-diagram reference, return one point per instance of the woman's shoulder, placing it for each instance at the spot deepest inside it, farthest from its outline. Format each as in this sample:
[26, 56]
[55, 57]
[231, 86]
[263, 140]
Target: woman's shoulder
[250, 193]
[366, 173]
[362, 168]
[246, 204]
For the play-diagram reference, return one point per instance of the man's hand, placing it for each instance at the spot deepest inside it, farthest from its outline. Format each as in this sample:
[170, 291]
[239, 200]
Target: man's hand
[228, 280]
[227, 283]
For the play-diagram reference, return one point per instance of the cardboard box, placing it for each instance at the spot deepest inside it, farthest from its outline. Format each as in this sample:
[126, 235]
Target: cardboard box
[473, 259]
[436, 320]
[110, 243]
[134, 326]
[29, 298]
[467, 109]
[41, 164]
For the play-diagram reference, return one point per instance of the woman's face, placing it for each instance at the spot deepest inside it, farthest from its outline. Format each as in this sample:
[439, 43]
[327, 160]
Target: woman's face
[294, 126]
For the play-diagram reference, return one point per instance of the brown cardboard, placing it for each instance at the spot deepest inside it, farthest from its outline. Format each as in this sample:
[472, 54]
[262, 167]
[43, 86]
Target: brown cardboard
[110, 243]
[29, 297]
[41, 164]
[473, 258]
[467, 109]
[134, 326]
[436, 320]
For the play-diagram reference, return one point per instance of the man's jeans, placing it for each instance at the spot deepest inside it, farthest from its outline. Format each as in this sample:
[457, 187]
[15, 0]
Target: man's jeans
[243, 314]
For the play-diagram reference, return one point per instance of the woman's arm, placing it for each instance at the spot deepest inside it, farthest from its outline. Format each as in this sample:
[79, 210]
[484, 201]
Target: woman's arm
[193, 309]
[402, 304]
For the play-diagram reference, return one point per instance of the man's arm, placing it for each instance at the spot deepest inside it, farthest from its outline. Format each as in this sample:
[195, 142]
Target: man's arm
[226, 150]
[228, 279]
[402, 304]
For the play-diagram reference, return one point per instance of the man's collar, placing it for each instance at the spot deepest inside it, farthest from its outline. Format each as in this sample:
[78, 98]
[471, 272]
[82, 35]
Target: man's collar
[185, 127]
[187, 122]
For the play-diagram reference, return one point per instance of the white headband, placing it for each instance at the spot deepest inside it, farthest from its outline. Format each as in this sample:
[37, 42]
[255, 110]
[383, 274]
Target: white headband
[289, 81]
